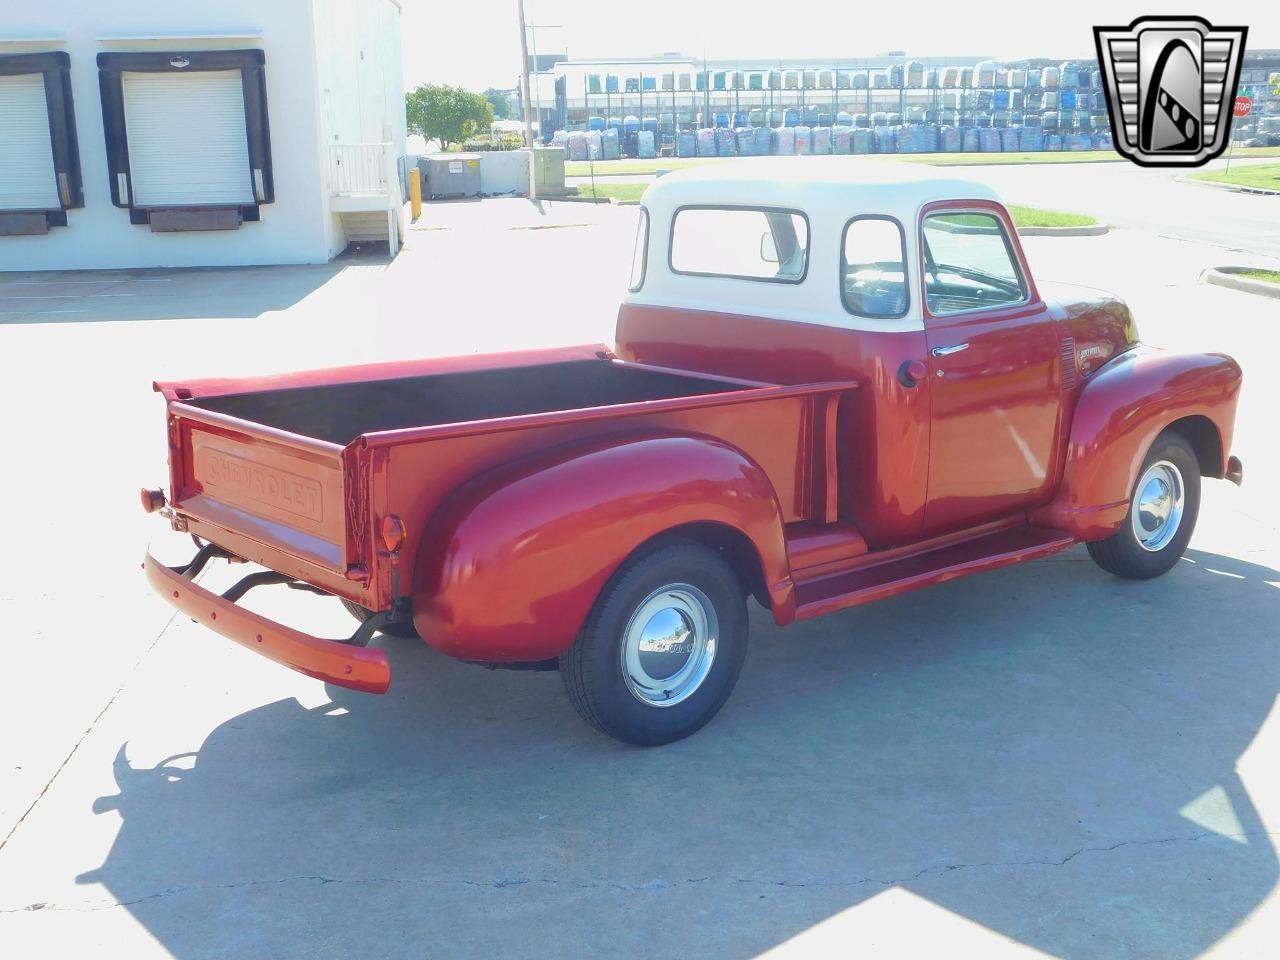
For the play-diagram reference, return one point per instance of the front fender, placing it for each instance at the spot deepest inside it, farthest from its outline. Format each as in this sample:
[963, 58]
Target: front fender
[1120, 412]
[512, 563]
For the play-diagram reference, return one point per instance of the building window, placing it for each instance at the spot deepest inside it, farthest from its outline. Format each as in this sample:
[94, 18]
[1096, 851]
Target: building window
[188, 146]
[39, 158]
[741, 243]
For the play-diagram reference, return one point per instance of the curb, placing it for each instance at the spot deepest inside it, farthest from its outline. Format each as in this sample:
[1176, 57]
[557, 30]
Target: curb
[579, 199]
[1233, 187]
[1093, 230]
[1224, 277]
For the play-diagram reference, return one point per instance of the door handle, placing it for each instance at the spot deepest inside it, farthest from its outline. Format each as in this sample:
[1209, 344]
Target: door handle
[948, 351]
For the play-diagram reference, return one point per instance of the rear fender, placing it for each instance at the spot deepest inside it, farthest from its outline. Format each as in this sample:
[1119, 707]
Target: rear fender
[511, 564]
[1122, 409]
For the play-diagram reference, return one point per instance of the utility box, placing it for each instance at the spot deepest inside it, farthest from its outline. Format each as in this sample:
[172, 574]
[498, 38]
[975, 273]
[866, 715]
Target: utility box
[548, 171]
[450, 175]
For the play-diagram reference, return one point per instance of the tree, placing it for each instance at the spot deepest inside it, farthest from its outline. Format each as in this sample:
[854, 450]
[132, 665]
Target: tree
[501, 103]
[445, 113]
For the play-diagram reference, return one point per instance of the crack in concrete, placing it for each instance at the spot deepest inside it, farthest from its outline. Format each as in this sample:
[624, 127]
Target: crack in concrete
[85, 734]
[501, 883]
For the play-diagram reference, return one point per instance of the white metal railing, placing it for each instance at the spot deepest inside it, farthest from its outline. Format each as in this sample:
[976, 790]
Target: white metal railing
[362, 169]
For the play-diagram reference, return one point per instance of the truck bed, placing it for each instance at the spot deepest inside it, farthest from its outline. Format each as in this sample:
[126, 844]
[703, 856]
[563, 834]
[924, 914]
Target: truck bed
[294, 471]
[340, 412]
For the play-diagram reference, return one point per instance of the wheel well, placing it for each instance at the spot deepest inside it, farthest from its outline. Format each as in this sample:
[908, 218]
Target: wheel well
[735, 546]
[1202, 434]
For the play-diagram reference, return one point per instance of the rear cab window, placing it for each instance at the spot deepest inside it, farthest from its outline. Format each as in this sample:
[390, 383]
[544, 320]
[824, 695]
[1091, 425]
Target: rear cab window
[873, 275]
[969, 263]
[742, 243]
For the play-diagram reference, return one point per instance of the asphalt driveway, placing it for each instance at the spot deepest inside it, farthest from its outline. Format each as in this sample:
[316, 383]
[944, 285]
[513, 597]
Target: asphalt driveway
[1038, 761]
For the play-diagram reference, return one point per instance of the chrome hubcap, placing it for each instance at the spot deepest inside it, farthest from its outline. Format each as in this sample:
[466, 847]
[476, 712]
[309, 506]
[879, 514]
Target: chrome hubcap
[1158, 505]
[669, 645]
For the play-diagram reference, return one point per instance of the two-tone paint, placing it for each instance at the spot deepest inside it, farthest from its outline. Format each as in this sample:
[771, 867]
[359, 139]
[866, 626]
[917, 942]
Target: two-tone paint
[827, 475]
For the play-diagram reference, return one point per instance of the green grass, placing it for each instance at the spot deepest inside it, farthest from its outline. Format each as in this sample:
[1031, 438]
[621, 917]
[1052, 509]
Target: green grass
[622, 192]
[1022, 216]
[1035, 217]
[1264, 175]
[1266, 276]
[621, 168]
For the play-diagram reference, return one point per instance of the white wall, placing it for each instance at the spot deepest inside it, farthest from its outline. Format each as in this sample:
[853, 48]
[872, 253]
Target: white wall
[296, 228]
[360, 78]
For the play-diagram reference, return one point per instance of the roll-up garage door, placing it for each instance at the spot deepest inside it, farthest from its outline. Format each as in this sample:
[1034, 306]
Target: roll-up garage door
[27, 179]
[187, 140]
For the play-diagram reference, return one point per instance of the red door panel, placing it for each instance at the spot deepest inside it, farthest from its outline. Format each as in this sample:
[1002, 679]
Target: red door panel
[995, 396]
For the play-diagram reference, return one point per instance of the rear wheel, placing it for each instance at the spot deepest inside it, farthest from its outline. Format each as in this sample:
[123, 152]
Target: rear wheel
[1162, 515]
[364, 613]
[662, 648]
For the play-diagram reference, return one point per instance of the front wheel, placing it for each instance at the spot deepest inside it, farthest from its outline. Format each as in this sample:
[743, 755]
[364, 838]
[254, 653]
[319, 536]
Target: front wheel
[662, 648]
[1163, 507]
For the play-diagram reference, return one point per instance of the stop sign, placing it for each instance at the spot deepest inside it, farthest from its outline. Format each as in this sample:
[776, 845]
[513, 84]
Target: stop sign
[1242, 106]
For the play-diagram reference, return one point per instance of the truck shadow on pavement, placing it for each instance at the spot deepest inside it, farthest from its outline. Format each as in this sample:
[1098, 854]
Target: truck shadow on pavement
[1047, 752]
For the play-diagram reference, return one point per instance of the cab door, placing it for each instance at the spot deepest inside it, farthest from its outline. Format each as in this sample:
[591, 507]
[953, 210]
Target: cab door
[994, 368]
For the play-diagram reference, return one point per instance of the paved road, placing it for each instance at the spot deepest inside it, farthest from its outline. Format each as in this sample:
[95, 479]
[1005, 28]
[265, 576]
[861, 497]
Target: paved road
[1039, 761]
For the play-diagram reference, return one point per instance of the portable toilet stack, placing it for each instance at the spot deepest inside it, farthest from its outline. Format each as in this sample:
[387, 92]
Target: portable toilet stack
[726, 144]
[609, 147]
[577, 145]
[645, 148]
[820, 139]
[844, 119]
[1030, 138]
[706, 142]
[687, 143]
[746, 141]
[595, 123]
[841, 136]
[970, 140]
[763, 140]
[860, 140]
[784, 141]
[804, 142]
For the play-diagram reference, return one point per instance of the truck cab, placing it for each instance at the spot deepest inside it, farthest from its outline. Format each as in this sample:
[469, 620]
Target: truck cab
[912, 284]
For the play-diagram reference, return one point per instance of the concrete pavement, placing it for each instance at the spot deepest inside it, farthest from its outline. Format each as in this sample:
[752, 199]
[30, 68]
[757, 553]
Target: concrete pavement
[1038, 761]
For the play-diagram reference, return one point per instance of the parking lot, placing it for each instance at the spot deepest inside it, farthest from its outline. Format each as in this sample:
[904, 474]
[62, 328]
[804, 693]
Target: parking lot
[1040, 761]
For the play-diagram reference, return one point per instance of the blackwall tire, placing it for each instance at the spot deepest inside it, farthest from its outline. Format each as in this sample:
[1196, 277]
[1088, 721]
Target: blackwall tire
[363, 613]
[662, 648]
[1163, 507]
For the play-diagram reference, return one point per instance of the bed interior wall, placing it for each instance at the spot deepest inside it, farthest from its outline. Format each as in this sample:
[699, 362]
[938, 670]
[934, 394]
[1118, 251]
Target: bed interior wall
[338, 413]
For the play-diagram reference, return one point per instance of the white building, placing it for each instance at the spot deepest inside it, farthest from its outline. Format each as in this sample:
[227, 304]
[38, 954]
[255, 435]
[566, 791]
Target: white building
[149, 133]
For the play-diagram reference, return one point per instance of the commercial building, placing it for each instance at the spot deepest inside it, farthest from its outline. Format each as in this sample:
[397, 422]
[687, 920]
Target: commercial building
[144, 133]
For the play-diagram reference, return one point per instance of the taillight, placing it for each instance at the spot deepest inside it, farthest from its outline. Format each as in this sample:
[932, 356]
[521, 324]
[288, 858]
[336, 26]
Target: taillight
[394, 533]
[152, 500]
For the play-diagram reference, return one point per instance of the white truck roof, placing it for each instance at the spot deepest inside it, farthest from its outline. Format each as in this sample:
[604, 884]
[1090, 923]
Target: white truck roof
[829, 191]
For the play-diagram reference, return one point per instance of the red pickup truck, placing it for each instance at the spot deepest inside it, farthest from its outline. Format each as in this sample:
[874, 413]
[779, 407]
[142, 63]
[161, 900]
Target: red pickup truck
[829, 385]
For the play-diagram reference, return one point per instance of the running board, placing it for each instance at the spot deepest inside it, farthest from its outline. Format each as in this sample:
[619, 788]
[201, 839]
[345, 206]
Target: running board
[879, 580]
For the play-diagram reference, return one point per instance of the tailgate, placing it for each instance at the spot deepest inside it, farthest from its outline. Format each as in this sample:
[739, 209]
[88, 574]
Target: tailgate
[278, 489]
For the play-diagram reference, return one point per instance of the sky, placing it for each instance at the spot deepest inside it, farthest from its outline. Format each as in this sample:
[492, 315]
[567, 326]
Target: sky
[476, 43]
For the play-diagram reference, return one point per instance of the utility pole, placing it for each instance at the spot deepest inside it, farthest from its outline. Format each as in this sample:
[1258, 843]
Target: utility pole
[524, 100]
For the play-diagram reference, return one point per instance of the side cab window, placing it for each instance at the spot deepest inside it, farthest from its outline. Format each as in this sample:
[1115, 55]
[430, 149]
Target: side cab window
[969, 263]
